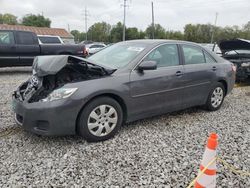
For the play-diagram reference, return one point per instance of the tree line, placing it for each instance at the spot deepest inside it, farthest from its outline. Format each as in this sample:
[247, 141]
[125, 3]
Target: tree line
[201, 33]
[105, 32]
[27, 20]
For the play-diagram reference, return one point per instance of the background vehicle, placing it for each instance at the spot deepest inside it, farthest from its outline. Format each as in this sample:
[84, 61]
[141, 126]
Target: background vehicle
[49, 39]
[212, 47]
[94, 47]
[86, 42]
[124, 82]
[18, 48]
[238, 52]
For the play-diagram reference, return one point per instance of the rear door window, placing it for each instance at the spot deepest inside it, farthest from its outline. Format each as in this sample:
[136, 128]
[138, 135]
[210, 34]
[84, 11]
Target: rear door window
[193, 55]
[165, 55]
[6, 38]
[25, 38]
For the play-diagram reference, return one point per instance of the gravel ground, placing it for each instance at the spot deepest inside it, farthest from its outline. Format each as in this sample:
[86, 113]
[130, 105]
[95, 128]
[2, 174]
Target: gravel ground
[163, 151]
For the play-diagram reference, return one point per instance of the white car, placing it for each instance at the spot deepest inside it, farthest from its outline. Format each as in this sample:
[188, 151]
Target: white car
[94, 47]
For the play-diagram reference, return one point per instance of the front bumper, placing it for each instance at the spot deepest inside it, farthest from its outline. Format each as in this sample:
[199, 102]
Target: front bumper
[47, 118]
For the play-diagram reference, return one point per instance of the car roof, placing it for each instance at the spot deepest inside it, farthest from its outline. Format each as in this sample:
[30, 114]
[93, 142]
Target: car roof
[160, 41]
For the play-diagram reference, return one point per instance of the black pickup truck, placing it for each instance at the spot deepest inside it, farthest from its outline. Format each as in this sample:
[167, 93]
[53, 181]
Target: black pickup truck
[18, 48]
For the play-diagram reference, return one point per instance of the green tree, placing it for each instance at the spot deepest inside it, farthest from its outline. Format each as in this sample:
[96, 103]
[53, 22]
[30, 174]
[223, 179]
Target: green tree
[78, 36]
[245, 32]
[200, 33]
[132, 33]
[99, 32]
[142, 35]
[8, 19]
[246, 27]
[116, 32]
[175, 35]
[159, 32]
[36, 20]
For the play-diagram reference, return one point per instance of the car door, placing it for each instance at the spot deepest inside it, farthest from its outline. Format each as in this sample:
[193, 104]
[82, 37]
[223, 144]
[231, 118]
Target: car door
[158, 91]
[27, 47]
[8, 52]
[199, 75]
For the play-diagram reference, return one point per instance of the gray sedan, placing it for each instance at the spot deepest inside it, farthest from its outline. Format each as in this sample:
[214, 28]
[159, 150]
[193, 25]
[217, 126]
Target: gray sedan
[124, 82]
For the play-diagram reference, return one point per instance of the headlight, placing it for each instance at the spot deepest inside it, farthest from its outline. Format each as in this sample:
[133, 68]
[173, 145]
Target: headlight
[61, 93]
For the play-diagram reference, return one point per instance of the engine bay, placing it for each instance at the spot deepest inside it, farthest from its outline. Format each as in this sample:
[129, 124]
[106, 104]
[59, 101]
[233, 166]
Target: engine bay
[38, 87]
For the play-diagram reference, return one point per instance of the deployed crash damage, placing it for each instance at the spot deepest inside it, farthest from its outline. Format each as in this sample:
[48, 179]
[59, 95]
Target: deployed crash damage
[238, 52]
[53, 72]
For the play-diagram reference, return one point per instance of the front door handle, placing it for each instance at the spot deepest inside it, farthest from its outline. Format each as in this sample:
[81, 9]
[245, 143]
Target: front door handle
[178, 73]
[214, 68]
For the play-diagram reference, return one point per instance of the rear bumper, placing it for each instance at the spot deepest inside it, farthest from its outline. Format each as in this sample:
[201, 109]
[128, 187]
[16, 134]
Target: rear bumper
[47, 118]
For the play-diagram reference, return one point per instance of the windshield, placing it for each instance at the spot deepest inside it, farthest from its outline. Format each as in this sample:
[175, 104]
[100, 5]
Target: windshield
[117, 55]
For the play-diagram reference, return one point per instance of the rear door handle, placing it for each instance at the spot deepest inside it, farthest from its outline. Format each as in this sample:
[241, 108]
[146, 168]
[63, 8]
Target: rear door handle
[214, 68]
[179, 73]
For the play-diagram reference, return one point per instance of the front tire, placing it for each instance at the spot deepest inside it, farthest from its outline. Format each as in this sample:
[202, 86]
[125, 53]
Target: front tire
[100, 119]
[216, 97]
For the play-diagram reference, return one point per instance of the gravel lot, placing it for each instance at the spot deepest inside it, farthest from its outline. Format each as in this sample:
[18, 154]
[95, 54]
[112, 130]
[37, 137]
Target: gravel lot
[163, 151]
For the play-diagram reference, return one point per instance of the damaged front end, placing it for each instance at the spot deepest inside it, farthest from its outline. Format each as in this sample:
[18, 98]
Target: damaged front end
[50, 73]
[237, 51]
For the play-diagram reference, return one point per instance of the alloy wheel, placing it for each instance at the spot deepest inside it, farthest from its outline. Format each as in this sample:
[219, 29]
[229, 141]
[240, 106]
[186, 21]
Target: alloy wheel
[102, 120]
[217, 97]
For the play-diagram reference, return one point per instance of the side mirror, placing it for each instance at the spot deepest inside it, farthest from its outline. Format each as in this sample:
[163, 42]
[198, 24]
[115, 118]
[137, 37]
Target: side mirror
[147, 65]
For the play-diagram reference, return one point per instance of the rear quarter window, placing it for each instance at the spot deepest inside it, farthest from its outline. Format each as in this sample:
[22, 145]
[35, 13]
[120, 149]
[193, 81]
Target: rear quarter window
[49, 40]
[208, 58]
[26, 38]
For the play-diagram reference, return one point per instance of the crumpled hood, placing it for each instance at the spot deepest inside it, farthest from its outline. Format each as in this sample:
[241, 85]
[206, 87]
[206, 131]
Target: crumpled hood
[236, 44]
[50, 65]
[46, 65]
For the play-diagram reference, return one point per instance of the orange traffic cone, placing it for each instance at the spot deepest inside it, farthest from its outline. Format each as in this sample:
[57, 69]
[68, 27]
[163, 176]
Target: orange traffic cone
[208, 179]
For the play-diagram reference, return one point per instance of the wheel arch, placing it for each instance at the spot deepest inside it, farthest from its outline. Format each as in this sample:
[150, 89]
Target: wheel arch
[116, 97]
[224, 82]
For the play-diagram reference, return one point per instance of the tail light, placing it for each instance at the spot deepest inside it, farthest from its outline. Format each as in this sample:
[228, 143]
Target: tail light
[85, 52]
[234, 68]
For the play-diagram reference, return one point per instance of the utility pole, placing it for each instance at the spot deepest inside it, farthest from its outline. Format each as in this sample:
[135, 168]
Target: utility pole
[86, 15]
[215, 22]
[124, 19]
[153, 21]
[68, 28]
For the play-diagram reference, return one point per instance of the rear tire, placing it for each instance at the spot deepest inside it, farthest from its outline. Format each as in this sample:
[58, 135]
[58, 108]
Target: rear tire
[100, 119]
[215, 97]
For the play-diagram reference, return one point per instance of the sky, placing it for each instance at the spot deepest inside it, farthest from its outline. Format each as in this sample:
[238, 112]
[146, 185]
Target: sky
[171, 14]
